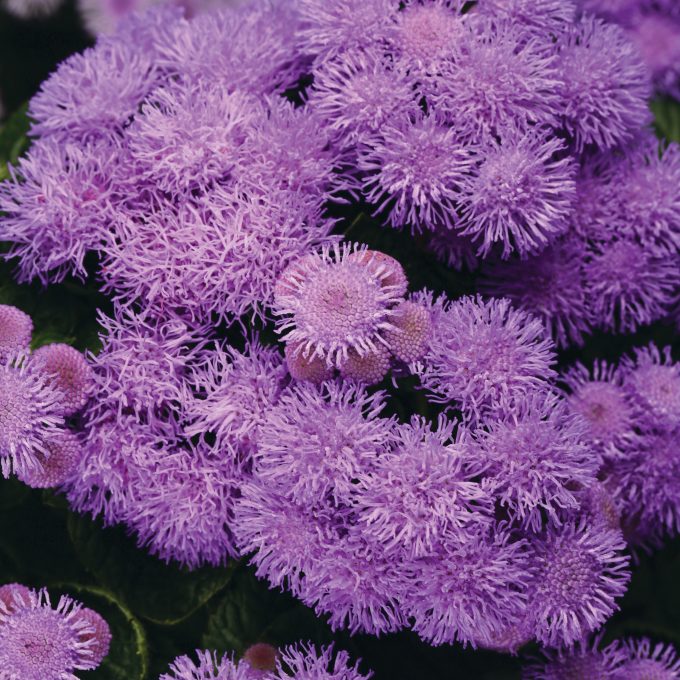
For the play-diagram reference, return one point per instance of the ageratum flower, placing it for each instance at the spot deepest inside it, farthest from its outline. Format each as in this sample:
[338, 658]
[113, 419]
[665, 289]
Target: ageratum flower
[603, 85]
[249, 48]
[357, 92]
[16, 328]
[585, 659]
[467, 589]
[58, 205]
[209, 667]
[338, 300]
[644, 661]
[580, 571]
[535, 456]
[483, 355]
[413, 171]
[68, 372]
[369, 368]
[501, 77]
[316, 441]
[30, 416]
[38, 642]
[233, 393]
[599, 397]
[412, 330]
[93, 94]
[97, 634]
[545, 17]
[63, 451]
[520, 195]
[298, 662]
[13, 595]
[653, 379]
[421, 492]
[549, 285]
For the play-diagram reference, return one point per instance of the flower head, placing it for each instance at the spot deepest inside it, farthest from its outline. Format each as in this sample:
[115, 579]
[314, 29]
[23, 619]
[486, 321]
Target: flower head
[645, 660]
[38, 641]
[298, 662]
[546, 17]
[580, 572]
[314, 368]
[369, 368]
[337, 301]
[97, 634]
[16, 328]
[68, 372]
[63, 451]
[412, 329]
[483, 354]
[520, 195]
[13, 595]
[603, 84]
[209, 667]
[413, 171]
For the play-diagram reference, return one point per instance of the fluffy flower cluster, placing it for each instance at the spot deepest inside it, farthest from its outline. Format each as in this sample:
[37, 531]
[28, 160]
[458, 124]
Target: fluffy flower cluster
[39, 641]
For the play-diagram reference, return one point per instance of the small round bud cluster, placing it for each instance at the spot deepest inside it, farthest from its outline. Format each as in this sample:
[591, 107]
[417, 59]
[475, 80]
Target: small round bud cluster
[16, 328]
[343, 309]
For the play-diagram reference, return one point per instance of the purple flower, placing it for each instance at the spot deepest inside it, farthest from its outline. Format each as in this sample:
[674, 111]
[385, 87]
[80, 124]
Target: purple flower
[327, 29]
[38, 642]
[549, 285]
[647, 661]
[604, 85]
[413, 171]
[58, 206]
[539, 18]
[412, 330]
[63, 451]
[580, 571]
[357, 92]
[468, 589]
[520, 195]
[233, 393]
[190, 133]
[93, 94]
[337, 300]
[585, 659]
[16, 328]
[536, 455]
[97, 634]
[483, 355]
[13, 596]
[209, 667]
[301, 661]
[369, 368]
[422, 492]
[249, 48]
[313, 368]
[500, 77]
[653, 380]
[599, 397]
[68, 372]
[30, 415]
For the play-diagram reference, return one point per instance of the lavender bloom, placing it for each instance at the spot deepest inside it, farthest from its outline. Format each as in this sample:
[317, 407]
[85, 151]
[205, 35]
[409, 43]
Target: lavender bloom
[422, 492]
[483, 355]
[520, 196]
[369, 368]
[647, 661]
[599, 397]
[298, 662]
[249, 48]
[209, 667]
[58, 206]
[604, 85]
[68, 372]
[580, 571]
[181, 506]
[337, 300]
[316, 441]
[30, 416]
[327, 29]
[545, 17]
[653, 380]
[468, 589]
[16, 328]
[357, 92]
[37, 641]
[314, 368]
[220, 256]
[413, 172]
[94, 93]
[536, 455]
[412, 330]
[97, 634]
[550, 286]
[189, 133]
[501, 77]
[13, 596]
[583, 660]
[234, 393]
[63, 451]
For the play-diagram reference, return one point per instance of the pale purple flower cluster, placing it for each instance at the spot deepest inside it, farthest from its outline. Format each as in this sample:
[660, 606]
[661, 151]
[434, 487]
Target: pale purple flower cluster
[39, 641]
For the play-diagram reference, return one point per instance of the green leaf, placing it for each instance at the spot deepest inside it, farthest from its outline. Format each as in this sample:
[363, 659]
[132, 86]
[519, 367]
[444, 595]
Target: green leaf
[153, 590]
[667, 118]
[14, 137]
[249, 612]
[128, 657]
